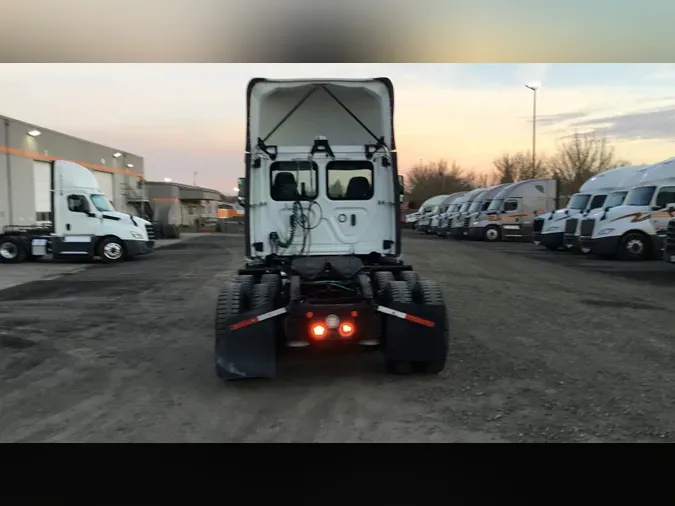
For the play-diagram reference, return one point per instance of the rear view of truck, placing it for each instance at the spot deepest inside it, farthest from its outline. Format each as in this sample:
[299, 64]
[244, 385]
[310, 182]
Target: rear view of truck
[322, 264]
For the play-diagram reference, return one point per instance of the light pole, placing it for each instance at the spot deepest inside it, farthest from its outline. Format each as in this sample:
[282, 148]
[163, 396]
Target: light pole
[534, 87]
[194, 179]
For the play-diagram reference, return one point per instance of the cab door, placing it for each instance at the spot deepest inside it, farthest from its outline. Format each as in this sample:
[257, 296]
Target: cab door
[77, 227]
[660, 215]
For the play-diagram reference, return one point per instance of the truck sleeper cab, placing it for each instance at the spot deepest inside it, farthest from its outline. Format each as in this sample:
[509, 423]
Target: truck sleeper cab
[84, 224]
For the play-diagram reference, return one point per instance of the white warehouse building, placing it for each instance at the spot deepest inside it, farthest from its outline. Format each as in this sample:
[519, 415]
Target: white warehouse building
[26, 152]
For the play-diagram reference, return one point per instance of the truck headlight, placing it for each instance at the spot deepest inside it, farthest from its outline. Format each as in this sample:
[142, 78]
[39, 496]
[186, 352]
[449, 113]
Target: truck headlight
[606, 231]
[475, 223]
[136, 235]
[553, 229]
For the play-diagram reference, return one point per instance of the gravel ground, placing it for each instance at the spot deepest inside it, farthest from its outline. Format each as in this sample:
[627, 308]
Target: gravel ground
[544, 347]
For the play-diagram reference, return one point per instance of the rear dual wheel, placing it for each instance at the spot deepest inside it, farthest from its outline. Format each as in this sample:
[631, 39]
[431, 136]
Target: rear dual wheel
[413, 289]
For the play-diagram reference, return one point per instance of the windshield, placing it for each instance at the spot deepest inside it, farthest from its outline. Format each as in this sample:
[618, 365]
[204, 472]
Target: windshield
[615, 199]
[640, 196]
[443, 209]
[453, 208]
[485, 205]
[475, 205]
[579, 201]
[101, 202]
[464, 207]
[496, 205]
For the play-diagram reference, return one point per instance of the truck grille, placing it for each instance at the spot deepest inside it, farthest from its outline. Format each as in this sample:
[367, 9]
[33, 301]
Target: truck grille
[587, 227]
[571, 225]
[670, 237]
[538, 225]
[467, 221]
[151, 232]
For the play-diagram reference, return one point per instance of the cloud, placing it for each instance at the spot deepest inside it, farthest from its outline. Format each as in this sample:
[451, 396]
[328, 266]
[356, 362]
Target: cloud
[554, 119]
[654, 124]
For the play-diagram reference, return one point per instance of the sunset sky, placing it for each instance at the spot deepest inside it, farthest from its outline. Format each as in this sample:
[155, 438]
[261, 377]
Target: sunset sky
[191, 117]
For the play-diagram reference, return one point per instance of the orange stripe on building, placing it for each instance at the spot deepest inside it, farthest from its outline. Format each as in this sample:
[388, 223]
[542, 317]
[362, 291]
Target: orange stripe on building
[38, 156]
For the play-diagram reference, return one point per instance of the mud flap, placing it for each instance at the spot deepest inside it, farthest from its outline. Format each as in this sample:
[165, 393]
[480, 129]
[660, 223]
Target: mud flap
[418, 333]
[247, 348]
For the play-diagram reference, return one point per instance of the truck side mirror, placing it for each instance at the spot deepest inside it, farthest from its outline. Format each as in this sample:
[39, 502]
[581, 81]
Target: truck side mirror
[401, 185]
[241, 190]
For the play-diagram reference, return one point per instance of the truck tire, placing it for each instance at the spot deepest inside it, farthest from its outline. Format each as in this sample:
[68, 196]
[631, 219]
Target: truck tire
[111, 250]
[380, 280]
[431, 294]
[635, 247]
[234, 298]
[492, 234]
[411, 278]
[273, 281]
[247, 280]
[397, 291]
[261, 295]
[11, 250]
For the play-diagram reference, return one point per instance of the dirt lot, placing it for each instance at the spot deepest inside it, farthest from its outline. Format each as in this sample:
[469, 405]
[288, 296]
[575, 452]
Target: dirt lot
[545, 347]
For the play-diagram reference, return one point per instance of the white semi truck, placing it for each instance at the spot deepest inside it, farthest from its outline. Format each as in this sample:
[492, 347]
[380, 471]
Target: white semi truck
[447, 205]
[636, 229]
[322, 264]
[431, 207]
[513, 210]
[83, 224]
[471, 202]
[549, 228]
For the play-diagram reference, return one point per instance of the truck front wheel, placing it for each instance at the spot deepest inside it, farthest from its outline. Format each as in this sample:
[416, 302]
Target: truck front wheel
[11, 251]
[111, 250]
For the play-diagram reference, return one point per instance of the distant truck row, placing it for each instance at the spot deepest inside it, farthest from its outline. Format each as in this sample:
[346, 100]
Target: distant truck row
[626, 213]
[504, 212]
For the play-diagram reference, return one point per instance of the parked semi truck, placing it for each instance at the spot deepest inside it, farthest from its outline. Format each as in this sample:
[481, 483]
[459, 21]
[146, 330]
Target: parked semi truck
[513, 210]
[456, 223]
[447, 205]
[624, 179]
[83, 224]
[430, 209]
[669, 244]
[549, 229]
[486, 201]
[322, 267]
[461, 204]
[636, 229]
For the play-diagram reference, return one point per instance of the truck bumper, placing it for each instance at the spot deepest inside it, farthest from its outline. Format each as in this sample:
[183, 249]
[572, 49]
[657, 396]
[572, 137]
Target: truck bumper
[571, 241]
[605, 246]
[458, 232]
[137, 248]
[553, 241]
[475, 232]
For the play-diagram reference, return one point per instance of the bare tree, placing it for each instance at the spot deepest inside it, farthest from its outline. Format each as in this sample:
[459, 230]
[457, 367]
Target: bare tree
[509, 168]
[476, 179]
[581, 157]
[434, 178]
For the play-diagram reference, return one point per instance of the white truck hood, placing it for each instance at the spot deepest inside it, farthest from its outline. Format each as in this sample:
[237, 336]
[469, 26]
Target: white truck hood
[125, 217]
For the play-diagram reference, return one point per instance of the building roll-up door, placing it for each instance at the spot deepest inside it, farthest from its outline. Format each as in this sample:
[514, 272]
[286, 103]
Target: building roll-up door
[106, 183]
[42, 175]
